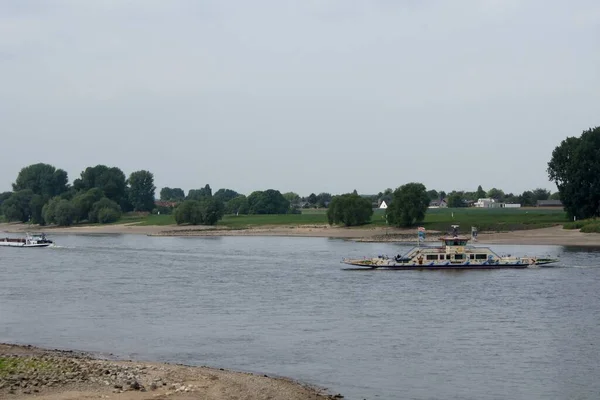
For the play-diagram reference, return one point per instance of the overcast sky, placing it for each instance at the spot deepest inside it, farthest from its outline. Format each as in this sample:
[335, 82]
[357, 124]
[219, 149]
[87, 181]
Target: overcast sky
[305, 96]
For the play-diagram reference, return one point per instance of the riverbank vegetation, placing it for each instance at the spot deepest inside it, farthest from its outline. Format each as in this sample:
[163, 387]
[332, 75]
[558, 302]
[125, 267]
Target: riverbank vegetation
[42, 195]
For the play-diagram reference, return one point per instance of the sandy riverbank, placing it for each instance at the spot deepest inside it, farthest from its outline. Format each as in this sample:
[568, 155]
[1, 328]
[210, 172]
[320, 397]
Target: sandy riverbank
[544, 236]
[33, 373]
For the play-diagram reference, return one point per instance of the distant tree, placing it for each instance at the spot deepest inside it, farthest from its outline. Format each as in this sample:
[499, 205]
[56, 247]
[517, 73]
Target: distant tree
[172, 194]
[409, 205]
[511, 198]
[64, 213]
[108, 215]
[480, 194]
[189, 212]
[433, 195]
[350, 210]
[141, 190]
[575, 168]
[197, 194]
[112, 211]
[323, 199]
[237, 205]
[456, 199]
[42, 179]
[527, 199]
[293, 198]
[443, 195]
[555, 196]
[35, 208]
[540, 194]
[4, 196]
[495, 194]
[49, 210]
[17, 206]
[268, 202]
[111, 181]
[212, 210]
[84, 201]
[312, 198]
[225, 195]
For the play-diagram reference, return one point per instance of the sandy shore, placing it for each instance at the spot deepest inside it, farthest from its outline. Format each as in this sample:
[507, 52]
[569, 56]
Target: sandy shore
[34, 373]
[544, 236]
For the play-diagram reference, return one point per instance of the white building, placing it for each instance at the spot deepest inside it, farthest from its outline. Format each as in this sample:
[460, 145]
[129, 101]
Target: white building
[487, 203]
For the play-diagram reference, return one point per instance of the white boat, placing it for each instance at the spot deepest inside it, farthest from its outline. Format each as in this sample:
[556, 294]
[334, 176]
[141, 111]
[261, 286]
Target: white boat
[30, 240]
[453, 254]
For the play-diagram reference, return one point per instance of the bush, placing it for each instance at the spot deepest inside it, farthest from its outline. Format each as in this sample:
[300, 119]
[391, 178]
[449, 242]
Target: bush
[580, 224]
[349, 209]
[189, 212]
[107, 215]
[591, 228]
[101, 204]
[65, 213]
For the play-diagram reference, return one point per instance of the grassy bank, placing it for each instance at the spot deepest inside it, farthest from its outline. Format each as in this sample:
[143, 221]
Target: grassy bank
[436, 219]
[586, 225]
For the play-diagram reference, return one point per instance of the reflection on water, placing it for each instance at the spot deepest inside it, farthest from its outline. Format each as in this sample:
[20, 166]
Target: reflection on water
[286, 306]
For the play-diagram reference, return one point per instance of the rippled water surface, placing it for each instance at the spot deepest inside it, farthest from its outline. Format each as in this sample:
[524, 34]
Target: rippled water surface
[285, 306]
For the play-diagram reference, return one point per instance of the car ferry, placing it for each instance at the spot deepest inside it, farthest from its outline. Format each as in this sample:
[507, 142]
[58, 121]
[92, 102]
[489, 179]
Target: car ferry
[454, 253]
[30, 240]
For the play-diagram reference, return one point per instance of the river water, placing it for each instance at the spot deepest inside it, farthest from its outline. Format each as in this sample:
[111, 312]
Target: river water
[285, 306]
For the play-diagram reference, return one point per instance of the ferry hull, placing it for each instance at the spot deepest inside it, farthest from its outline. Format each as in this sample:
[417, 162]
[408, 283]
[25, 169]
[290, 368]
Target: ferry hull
[418, 267]
[15, 244]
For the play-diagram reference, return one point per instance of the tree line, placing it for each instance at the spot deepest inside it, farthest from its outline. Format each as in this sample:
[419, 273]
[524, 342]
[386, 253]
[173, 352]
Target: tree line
[42, 195]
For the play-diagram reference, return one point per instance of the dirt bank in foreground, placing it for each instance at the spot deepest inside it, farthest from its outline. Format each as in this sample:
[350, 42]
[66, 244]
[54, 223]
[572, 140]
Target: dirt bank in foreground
[545, 236]
[34, 373]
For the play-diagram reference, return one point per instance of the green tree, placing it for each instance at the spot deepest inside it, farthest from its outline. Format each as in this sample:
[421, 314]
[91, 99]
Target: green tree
[323, 199]
[496, 194]
[141, 190]
[555, 196]
[172, 194]
[17, 206]
[575, 168]
[312, 198]
[293, 198]
[49, 210]
[349, 209]
[212, 210]
[225, 195]
[104, 204]
[237, 205]
[35, 208]
[480, 194]
[527, 199]
[409, 205]
[84, 201]
[541, 194]
[4, 196]
[42, 179]
[64, 213]
[432, 194]
[198, 194]
[268, 202]
[189, 212]
[111, 181]
[456, 199]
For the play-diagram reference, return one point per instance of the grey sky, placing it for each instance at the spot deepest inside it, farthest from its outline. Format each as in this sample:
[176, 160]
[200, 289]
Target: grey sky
[305, 96]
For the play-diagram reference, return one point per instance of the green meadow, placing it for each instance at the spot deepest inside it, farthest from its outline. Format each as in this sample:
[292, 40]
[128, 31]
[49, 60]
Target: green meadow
[485, 219]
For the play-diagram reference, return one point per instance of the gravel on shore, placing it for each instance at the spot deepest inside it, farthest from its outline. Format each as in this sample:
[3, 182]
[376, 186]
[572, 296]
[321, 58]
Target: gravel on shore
[30, 372]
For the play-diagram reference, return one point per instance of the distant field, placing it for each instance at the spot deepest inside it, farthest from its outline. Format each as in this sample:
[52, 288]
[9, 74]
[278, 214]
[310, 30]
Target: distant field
[501, 219]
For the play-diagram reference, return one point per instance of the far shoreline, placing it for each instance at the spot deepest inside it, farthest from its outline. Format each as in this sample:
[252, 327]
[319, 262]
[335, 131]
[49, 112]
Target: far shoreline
[554, 235]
